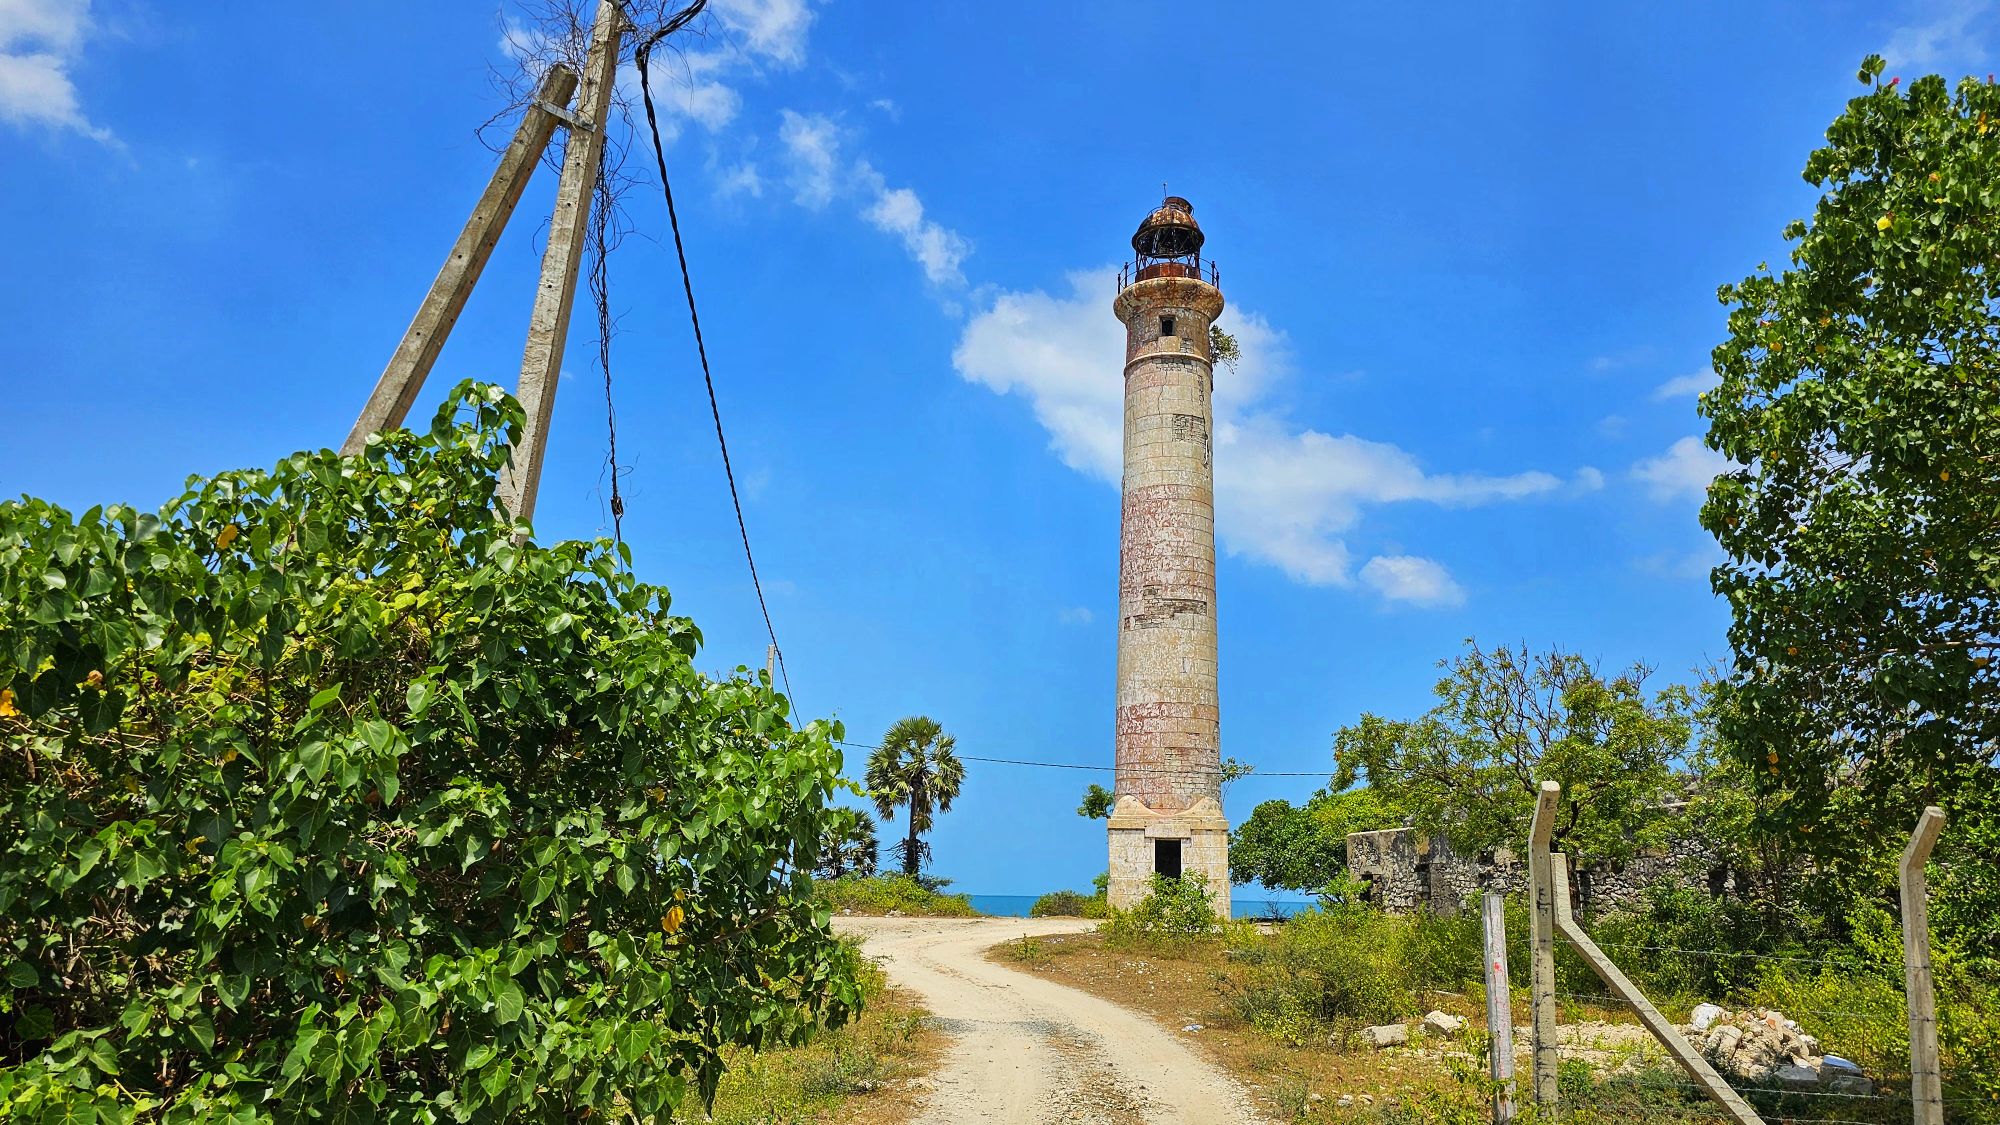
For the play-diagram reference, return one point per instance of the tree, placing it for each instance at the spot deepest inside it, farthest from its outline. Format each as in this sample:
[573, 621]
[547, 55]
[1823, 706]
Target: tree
[1469, 769]
[1860, 404]
[324, 793]
[915, 768]
[849, 846]
[1097, 802]
[1303, 848]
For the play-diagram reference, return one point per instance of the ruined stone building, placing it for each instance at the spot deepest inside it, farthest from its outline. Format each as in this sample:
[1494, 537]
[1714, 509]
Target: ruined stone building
[1167, 816]
[1405, 871]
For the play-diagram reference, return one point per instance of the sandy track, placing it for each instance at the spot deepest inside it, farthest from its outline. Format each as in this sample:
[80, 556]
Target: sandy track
[1026, 1050]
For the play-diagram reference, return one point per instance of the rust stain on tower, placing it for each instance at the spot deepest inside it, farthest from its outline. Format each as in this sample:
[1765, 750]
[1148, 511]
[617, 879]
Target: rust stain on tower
[1168, 814]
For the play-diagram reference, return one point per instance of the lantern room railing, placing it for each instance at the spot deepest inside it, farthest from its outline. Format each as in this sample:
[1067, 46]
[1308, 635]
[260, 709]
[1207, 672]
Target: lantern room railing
[1145, 269]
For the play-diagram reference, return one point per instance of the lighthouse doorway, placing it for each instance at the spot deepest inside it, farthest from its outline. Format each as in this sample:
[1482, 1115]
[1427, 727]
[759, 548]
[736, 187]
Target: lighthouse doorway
[1167, 858]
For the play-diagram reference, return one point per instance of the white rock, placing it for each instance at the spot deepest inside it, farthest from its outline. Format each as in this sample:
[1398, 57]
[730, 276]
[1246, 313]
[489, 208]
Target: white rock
[1837, 1082]
[1442, 1024]
[1346, 1101]
[1795, 1076]
[1705, 1015]
[1387, 1035]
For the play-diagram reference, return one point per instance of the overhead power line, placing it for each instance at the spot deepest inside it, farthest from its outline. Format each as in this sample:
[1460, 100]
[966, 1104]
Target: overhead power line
[1131, 770]
[643, 56]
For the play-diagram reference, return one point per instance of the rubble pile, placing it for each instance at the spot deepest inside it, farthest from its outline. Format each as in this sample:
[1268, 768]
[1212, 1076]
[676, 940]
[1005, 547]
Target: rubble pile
[1762, 1047]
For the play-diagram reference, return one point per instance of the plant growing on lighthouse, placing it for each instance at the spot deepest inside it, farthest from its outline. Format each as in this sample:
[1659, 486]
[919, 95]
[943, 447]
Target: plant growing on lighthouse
[915, 767]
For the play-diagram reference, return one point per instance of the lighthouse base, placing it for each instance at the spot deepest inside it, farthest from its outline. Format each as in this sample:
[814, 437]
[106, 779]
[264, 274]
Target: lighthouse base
[1193, 841]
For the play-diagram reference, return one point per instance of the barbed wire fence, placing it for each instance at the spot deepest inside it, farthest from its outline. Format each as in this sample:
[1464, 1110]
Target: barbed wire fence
[1613, 1055]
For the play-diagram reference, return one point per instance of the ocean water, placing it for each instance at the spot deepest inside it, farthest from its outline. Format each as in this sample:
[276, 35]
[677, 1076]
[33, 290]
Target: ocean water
[1016, 906]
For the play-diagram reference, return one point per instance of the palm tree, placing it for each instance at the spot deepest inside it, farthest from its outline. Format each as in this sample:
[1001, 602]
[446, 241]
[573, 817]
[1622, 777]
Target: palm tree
[915, 766]
[848, 847]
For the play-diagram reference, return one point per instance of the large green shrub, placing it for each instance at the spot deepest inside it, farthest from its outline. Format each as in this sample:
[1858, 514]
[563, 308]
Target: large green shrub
[880, 894]
[1173, 909]
[1326, 971]
[321, 795]
[1069, 904]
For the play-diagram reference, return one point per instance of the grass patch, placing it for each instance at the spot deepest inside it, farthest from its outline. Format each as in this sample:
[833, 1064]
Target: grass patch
[891, 894]
[859, 1074]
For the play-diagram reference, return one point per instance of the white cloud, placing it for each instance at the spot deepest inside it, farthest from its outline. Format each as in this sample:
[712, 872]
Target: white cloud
[772, 30]
[1612, 426]
[1407, 578]
[700, 86]
[39, 40]
[812, 142]
[1284, 495]
[1589, 479]
[820, 172]
[1683, 471]
[1682, 567]
[740, 179]
[1944, 36]
[1076, 615]
[938, 249]
[1681, 386]
[59, 24]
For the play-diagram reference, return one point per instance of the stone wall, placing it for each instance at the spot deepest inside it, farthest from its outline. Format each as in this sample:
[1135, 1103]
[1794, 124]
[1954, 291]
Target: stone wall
[1407, 871]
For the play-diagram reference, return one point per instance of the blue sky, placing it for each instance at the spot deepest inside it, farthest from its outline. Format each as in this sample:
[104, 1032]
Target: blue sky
[1472, 259]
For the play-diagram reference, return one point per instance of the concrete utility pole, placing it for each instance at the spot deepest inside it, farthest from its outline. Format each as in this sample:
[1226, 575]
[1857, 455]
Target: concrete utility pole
[548, 324]
[1168, 817]
[411, 365]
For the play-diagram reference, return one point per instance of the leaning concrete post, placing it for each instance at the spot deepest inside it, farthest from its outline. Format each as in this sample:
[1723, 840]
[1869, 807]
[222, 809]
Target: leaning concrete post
[548, 320]
[404, 377]
[1542, 967]
[1926, 1079]
[1499, 1009]
[1691, 1060]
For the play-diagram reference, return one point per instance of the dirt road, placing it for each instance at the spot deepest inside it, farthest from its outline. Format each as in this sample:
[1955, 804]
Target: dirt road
[1030, 1051]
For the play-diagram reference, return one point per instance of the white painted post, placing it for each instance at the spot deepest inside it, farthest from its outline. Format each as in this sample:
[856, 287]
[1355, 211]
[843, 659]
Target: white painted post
[1542, 966]
[548, 322]
[401, 381]
[1499, 1007]
[1926, 1079]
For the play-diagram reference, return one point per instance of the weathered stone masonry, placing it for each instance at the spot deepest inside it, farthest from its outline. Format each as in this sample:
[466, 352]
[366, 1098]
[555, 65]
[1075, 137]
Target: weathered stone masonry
[1168, 812]
[1406, 871]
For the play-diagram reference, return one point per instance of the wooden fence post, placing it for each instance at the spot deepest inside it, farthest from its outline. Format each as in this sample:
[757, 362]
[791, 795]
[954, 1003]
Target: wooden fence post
[1499, 1005]
[1542, 967]
[1926, 1079]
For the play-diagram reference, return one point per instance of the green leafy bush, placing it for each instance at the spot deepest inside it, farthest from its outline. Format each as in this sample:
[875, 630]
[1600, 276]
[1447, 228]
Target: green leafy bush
[1173, 909]
[321, 795]
[880, 894]
[1069, 904]
[1325, 972]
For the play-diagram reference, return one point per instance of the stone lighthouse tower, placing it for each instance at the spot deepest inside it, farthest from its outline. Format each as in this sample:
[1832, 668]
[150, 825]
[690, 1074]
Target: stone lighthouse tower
[1168, 814]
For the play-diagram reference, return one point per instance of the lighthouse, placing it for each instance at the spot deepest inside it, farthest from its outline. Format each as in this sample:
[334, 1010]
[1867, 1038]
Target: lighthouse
[1167, 815]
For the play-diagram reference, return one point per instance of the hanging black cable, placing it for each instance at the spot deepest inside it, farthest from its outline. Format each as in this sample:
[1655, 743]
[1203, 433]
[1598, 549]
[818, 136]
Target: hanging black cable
[643, 57]
[600, 291]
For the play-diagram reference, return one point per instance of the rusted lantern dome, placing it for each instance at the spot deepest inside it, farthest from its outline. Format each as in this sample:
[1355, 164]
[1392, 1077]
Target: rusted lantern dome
[1169, 232]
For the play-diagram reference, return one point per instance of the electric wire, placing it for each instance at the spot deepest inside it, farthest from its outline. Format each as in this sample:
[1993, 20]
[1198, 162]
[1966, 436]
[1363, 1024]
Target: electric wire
[1132, 770]
[600, 292]
[643, 57]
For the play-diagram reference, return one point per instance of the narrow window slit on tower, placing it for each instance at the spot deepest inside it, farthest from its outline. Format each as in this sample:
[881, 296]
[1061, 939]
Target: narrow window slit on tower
[1166, 326]
[1167, 858]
